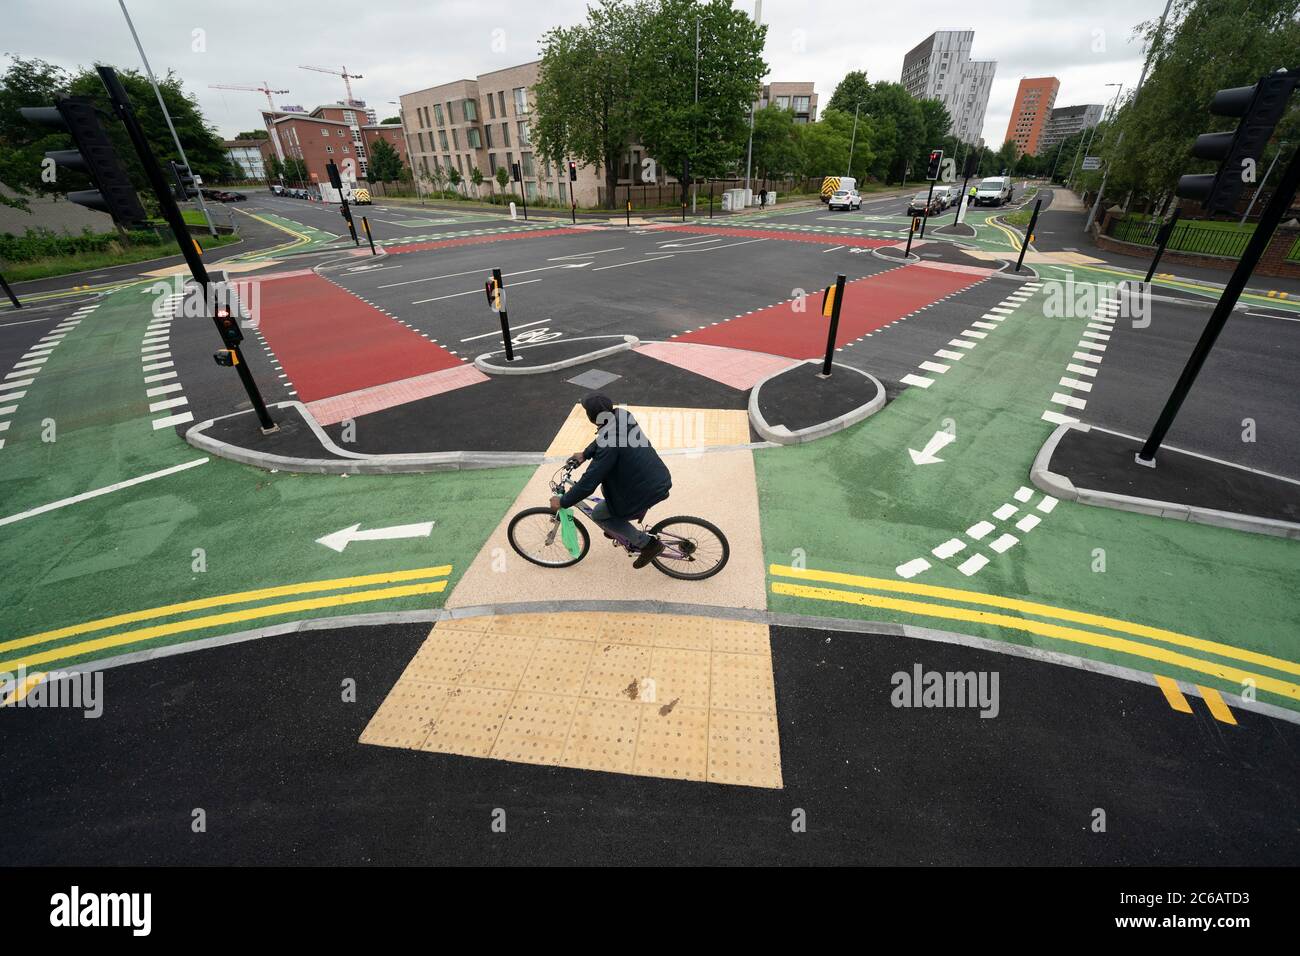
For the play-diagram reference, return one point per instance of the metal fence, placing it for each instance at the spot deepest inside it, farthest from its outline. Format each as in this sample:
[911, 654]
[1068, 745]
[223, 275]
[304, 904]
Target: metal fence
[659, 195]
[1191, 237]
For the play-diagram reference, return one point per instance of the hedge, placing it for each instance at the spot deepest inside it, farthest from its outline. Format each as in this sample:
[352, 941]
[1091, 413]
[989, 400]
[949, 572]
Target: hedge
[43, 244]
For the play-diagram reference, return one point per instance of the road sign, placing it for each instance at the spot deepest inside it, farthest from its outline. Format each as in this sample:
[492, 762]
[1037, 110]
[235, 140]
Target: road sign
[1091, 162]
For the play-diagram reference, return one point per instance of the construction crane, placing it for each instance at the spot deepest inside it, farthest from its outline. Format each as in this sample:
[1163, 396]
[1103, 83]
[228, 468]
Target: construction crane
[347, 78]
[264, 88]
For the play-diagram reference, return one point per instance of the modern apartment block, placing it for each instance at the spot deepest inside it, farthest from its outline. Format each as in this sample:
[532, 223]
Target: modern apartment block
[338, 132]
[248, 155]
[798, 97]
[940, 68]
[485, 124]
[1065, 121]
[1035, 97]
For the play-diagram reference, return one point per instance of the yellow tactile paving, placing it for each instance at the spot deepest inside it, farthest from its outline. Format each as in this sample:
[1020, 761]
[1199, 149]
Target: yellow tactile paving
[660, 695]
[667, 428]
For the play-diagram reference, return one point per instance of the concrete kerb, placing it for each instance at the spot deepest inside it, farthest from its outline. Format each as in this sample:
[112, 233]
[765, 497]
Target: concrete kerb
[485, 364]
[1062, 487]
[897, 260]
[784, 436]
[839, 625]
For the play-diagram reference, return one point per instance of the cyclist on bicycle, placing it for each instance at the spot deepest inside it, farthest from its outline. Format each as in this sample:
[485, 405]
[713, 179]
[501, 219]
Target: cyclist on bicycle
[630, 472]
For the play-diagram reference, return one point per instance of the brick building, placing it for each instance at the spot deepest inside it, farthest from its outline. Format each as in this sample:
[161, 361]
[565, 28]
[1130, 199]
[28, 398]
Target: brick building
[799, 97]
[337, 132]
[1035, 98]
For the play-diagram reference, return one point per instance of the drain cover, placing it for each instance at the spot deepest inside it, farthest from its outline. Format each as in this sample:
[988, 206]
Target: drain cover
[593, 378]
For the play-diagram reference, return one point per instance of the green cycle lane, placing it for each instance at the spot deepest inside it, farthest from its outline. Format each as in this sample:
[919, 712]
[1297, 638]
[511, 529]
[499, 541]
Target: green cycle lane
[843, 517]
[175, 557]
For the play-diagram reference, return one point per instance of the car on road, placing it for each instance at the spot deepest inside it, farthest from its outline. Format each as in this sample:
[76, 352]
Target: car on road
[994, 191]
[947, 194]
[923, 204]
[845, 199]
[224, 195]
[361, 197]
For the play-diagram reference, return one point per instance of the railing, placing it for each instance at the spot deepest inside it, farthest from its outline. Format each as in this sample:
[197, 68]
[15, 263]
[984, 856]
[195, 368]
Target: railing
[1209, 240]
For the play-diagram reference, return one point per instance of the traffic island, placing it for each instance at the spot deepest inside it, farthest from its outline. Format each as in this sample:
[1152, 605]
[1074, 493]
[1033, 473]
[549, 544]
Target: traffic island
[552, 356]
[798, 404]
[960, 230]
[1096, 466]
[895, 254]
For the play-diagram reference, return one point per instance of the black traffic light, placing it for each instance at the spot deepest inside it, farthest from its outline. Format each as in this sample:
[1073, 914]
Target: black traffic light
[1260, 107]
[335, 180]
[936, 160]
[186, 187]
[573, 171]
[94, 155]
[514, 172]
[228, 323]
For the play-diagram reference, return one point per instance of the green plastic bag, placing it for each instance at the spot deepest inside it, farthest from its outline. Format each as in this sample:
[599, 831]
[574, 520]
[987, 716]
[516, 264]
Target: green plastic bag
[568, 533]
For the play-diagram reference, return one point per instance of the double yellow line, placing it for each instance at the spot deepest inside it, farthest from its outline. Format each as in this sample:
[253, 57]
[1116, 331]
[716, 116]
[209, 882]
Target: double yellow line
[1151, 647]
[424, 579]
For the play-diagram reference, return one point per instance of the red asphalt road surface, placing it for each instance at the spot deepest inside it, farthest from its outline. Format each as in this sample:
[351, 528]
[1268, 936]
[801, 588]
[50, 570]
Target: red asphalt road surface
[475, 240]
[329, 342]
[825, 239]
[869, 304]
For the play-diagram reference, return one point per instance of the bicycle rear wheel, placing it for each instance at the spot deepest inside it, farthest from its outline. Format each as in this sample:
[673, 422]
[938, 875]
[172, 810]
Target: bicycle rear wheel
[534, 533]
[694, 549]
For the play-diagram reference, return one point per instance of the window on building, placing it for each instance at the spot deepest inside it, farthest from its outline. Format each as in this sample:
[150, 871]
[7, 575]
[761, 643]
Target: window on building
[505, 134]
[471, 111]
[324, 131]
[492, 163]
[437, 112]
[783, 102]
[524, 139]
[492, 107]
[329, 149]
[527, 161]
[455, 138]
[349, 117]
[501, 101]
[801, 104]
[475, 140]
[340, 132]
[442, 138]
[521, 101]
[425, 163]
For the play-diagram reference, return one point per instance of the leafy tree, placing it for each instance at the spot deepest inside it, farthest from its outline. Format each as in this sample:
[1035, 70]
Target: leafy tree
[672, 125]
[823, 148]
[386, 164]
[476, 177]
[454, 177]
[253, 134]
[291, 169]
[31, 82]
[585, 89]
[502, 178]
[935, 121]
[391, 121]
[899, 127]
[776, 147]
[851, 91]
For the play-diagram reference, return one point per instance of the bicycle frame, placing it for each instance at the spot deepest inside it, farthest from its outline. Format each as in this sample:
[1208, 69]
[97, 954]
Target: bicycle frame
[672, 547]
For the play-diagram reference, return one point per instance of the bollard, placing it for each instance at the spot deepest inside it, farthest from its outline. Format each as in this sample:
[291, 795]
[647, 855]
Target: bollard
[629, 212]
[501, 311]
[835, 324]
[365, 224]
[910, 229]
[1029, 234]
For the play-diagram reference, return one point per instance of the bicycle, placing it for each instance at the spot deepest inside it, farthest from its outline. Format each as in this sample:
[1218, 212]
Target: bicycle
[694, 549]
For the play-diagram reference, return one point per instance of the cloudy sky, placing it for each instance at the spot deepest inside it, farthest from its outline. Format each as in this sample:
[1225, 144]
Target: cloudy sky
[404, 45]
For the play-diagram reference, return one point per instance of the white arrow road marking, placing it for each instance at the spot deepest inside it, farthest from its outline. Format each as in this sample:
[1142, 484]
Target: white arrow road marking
[344, 536]
[584, 255]
[927, 455]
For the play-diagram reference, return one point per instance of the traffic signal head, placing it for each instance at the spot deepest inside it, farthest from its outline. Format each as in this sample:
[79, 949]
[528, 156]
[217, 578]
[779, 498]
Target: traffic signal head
[186, 187]
[1260, 107]
[335, 179]
[514, 172]
[94, 155]
[573, 171]
[936, 160]
[228, 324]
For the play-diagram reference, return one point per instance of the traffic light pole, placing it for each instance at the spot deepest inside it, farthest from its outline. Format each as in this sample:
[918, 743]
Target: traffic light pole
[171, 212]
[1166, 232]
[1029, 234]
[1259, 240]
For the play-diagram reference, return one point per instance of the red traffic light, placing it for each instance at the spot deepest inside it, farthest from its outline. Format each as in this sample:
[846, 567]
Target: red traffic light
[573, 171]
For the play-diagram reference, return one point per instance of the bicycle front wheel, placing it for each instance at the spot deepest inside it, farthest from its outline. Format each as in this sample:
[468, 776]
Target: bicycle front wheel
[534, 533]
[694, 549]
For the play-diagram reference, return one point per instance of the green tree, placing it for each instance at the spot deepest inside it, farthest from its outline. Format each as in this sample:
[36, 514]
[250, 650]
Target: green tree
[851, 91]
[673, 126]
[253, 134]
[776, 146]
[935, 121]
[898, 130]
[391, 121]
[476, 177]
[502, 178]
[31, 82]
[454, 177]
[386, 164]
[585, 89]
[823, 148]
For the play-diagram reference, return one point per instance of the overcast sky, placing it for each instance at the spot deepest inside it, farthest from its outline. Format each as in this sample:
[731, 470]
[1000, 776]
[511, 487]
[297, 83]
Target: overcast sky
[404, 45]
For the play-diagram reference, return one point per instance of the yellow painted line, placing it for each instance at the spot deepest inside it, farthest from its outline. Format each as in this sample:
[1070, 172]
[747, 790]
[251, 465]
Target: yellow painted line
[216, 620]
[1214, 700]
[1189, 286]
[237, 597]
[1118, 644]
[1177, 700]
[23, 689]
[301, 239]
[1042, 610]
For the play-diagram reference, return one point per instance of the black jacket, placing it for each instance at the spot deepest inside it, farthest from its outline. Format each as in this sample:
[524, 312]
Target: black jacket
[632, 475]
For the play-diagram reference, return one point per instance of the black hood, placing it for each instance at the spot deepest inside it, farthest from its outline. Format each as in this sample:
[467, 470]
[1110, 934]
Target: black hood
[596, 403]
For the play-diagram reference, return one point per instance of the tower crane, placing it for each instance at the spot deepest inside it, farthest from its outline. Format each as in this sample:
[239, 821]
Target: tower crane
[347, 77]
[264, 88]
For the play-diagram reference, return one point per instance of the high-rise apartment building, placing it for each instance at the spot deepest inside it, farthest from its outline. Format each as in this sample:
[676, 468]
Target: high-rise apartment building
[1035, 97]
[1065, 121]
[940, 68]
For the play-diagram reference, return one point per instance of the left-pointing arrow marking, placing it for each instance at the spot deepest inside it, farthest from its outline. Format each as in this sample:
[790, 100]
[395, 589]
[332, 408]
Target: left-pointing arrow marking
[344, 536]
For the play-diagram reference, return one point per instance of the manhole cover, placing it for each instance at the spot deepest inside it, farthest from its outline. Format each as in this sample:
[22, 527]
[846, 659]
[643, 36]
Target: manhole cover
[593, 378]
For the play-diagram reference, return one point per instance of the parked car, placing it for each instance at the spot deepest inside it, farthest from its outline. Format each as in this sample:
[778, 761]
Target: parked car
[845, 199]
[225, 195]
[994, 191]
[923, 204]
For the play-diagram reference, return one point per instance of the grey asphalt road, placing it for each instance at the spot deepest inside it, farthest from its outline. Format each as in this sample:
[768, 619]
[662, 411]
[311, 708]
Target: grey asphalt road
[259, 737]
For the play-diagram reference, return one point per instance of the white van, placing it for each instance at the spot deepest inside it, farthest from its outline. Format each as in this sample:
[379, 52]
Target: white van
[994, 191]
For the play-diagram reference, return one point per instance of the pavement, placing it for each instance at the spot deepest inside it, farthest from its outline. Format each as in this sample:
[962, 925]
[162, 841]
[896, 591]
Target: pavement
[1136, 652]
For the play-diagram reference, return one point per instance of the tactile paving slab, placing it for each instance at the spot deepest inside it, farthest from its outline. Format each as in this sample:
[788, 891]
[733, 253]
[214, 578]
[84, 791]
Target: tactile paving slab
[657, 695]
